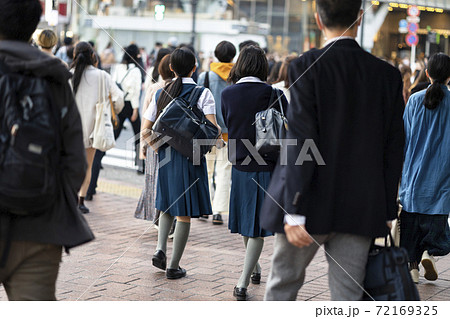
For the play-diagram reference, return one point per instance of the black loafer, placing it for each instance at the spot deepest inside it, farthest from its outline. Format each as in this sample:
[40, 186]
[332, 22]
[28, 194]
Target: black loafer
[203, 217]
[240, 293]
[159, 259]
[83, 209]
[217, 219]
[256, 278]
[175, 273]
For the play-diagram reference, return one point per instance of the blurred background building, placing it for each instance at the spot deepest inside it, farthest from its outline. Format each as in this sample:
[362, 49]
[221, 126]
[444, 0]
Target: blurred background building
[280, 25]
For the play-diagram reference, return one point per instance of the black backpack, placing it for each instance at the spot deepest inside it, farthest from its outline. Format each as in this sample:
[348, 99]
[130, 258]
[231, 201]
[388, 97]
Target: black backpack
[30, 141]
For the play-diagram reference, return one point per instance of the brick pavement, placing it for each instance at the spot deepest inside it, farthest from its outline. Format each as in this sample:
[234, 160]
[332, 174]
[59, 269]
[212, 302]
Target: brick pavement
[117, 265]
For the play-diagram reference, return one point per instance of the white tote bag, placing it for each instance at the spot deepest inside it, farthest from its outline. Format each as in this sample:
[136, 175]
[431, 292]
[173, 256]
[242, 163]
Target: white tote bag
[103, 135]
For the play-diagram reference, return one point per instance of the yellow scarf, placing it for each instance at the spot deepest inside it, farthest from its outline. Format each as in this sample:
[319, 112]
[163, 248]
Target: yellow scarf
[222, 69]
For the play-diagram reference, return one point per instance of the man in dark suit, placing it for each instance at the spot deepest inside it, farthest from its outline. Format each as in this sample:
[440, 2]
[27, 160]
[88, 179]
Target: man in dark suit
[350, 105]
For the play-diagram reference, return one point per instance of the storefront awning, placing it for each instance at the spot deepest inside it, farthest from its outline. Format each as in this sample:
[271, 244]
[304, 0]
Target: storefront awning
[441, 4]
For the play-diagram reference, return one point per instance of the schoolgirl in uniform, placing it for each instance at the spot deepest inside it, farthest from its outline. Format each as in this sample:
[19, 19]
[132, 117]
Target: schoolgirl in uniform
[249, 180]
[182, 187]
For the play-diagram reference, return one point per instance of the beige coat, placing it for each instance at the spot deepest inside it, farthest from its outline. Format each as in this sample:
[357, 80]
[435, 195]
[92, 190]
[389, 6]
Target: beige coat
[88, 96]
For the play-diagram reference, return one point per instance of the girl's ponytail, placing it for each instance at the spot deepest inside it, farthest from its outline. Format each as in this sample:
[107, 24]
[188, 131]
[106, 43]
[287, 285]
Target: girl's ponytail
[183, 62]
[170, 92]
[439, 71]
[433, 96]
[84, 57]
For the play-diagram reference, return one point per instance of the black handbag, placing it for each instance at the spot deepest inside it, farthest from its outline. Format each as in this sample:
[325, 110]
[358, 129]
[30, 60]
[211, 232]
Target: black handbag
[271, 126]
[190, 132]
[387, 274]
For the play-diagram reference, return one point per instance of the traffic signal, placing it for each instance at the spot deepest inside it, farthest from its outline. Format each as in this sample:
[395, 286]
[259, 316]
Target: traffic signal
[160, 9]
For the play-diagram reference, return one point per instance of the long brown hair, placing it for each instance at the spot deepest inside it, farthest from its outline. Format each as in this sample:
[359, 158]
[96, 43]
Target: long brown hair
[283, 75]
[84, 57]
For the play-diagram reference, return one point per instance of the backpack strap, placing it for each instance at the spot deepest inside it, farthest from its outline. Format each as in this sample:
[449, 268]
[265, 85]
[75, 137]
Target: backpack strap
[126, 74]
[206, 84]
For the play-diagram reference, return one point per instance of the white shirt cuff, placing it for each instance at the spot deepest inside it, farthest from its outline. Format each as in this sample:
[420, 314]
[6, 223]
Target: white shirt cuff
[294, 220]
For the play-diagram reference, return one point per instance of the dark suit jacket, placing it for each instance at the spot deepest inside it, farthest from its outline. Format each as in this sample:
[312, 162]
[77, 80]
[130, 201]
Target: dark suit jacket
[350, 104]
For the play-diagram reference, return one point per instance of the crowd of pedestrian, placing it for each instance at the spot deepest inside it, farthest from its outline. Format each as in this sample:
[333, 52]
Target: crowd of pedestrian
[370, 160]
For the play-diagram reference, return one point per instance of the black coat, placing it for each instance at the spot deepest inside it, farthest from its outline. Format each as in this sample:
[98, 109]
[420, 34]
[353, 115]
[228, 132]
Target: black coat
[63, 225]
[350, 104]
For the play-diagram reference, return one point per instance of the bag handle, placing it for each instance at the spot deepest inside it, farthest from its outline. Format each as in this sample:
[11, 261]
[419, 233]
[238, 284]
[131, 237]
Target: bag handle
[272, 102]
[195, 96]
[100, 86]
[391, 240]
[279, 102]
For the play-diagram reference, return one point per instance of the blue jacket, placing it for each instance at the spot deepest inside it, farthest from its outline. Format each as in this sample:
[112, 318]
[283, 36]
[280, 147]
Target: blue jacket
[425, 185]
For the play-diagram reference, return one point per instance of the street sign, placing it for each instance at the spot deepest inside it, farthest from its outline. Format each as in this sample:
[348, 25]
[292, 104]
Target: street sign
[403, 23]
[413, 11]
[412, 39]
[413, 27]
[403, 26]
[411, 19]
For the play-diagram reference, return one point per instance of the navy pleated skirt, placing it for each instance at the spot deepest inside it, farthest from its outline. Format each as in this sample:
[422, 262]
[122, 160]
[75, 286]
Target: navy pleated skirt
[246, 200]
[182, 188]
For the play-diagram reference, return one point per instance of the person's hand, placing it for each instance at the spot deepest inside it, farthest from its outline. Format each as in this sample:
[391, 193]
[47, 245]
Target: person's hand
[220, 143]
[389, 224]
[143, 153]
[135, 115]
[298, 235]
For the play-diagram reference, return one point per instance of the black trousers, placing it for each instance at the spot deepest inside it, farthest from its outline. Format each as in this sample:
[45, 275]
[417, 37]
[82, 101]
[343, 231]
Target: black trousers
[127, 113]
[96, 165]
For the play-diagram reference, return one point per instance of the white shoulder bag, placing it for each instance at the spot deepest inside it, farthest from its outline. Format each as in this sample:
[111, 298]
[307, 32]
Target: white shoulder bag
[103, 135]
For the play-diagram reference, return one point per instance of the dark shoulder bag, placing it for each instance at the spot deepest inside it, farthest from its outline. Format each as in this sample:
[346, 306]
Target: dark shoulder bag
[387, 274]
[188, 130]
[271, 126]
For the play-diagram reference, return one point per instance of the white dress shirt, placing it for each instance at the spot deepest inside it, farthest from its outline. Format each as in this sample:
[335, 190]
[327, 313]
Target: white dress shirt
[205, 103]
[337, 39]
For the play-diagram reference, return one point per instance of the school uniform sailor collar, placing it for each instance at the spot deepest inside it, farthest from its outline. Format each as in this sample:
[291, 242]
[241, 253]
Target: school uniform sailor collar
[187, 81]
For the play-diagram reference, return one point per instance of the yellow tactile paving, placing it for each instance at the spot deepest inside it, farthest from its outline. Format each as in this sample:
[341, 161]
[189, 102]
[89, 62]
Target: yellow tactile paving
[120, 189]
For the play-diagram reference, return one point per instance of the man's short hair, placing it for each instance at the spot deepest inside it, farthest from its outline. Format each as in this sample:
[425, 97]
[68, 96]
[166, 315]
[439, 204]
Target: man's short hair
[68, 41]
[225, 51]
[338, 13]
[247, 43]
[19, 19]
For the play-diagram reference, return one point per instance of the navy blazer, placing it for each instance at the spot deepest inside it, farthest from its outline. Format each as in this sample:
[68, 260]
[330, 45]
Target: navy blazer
[350, 104]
